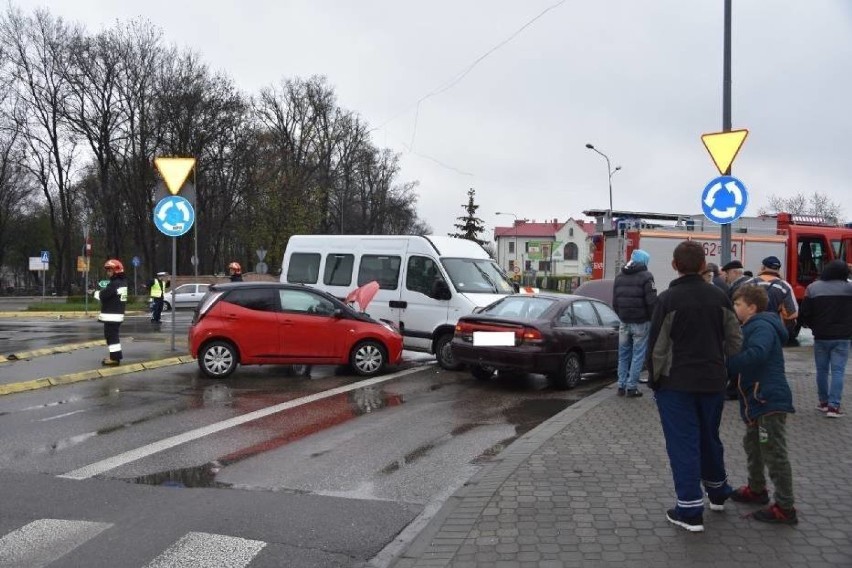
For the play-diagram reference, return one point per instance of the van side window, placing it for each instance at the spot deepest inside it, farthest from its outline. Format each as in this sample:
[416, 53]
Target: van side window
[384, 269]
[813, 254]
[421, 274]
[304, 268]
[338, 269]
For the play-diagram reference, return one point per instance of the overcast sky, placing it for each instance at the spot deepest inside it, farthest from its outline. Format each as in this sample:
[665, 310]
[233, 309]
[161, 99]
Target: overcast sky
[641, 80]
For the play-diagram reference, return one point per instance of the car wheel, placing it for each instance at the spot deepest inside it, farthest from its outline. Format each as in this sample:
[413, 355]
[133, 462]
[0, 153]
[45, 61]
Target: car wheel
[444, 353]
[569, 373]
[482, 372]
[218, 359]
[167, 307]
[368, 358]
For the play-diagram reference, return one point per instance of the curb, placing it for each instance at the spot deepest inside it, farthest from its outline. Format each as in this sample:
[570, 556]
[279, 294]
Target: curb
[51, 350]
[71, 378]
[438, 542]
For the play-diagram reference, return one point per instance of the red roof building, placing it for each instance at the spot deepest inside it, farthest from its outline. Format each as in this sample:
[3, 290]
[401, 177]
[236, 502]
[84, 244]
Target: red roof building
[551, 247]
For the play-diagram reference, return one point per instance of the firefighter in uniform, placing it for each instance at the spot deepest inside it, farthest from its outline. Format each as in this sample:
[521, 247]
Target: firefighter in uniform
[235, 272]
[113, 300]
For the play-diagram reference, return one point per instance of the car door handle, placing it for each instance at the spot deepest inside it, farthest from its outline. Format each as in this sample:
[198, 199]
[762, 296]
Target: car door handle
[397, 304]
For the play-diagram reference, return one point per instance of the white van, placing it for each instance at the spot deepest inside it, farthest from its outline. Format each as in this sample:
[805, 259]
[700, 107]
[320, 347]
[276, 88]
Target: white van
[425, 282]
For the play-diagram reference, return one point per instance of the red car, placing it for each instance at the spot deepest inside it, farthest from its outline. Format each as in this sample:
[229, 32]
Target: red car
[557, 335]
[270, 323]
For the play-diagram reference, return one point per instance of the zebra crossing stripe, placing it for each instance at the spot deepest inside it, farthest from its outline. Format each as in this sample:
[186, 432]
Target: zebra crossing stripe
[205, 550]
[44, 541]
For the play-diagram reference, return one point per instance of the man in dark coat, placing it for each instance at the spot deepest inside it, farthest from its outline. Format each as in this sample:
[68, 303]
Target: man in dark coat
[633, 297]
[692, 331]
[827, 310]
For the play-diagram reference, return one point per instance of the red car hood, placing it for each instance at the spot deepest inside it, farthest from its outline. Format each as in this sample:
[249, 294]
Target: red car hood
[363, 295]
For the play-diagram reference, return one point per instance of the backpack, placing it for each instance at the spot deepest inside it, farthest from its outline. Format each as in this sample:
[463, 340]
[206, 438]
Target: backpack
[777, 293]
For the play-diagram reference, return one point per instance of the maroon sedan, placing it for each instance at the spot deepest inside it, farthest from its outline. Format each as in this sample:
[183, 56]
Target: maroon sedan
[557, 335]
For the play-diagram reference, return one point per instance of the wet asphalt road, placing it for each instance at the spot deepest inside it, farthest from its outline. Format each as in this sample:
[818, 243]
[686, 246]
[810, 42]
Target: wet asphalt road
[404, 444]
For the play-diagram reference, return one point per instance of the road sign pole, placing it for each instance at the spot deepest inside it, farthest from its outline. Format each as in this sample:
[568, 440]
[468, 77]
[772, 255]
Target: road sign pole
[726, 119]
[174, 277]
[43, 280]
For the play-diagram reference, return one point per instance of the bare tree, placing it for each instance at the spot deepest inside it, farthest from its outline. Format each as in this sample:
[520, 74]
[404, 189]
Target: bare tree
[38, 67]
[817, 204]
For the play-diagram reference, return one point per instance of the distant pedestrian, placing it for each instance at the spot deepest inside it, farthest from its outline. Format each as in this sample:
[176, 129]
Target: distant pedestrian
[157, 293]
[782, 300]
[693, 328]
[734, 276]
[235, 272]
[765, 402]
[633, 297]
[717, 279]
[827, 310]
[113, 300]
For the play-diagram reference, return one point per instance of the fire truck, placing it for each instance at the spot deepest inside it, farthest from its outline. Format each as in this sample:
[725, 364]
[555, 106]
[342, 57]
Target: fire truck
[804, 244]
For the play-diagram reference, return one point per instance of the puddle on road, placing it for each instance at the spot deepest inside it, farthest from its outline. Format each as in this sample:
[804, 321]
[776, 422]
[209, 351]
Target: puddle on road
[286, 427]
[187, 477]
[65, 443]
[529, 413]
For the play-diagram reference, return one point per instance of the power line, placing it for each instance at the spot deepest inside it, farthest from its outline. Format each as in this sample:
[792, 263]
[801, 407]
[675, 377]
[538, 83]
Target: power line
[458, 77]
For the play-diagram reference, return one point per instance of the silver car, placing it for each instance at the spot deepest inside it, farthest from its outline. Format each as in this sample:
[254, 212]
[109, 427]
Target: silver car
[186, 296]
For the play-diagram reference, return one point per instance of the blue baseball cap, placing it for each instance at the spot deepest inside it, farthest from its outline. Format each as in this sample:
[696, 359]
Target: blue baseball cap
[771, 262]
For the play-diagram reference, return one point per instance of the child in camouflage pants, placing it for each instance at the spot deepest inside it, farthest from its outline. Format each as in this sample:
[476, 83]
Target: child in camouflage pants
[765, 401]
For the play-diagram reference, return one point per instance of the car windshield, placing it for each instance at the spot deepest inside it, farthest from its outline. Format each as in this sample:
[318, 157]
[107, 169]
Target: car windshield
[471, 275]
[519, 307]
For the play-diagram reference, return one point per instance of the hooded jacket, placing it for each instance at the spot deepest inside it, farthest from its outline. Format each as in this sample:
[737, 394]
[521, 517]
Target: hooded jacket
[762, 385]
[634, 293]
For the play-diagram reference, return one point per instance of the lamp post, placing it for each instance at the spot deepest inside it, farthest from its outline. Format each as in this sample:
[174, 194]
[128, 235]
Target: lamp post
[515, 231]
[610, 172]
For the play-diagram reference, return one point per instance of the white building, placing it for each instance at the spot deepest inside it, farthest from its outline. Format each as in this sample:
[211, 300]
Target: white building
[549, 248]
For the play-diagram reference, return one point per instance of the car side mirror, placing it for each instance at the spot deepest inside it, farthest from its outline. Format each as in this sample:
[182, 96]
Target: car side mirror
[337, 313]
[442, 290]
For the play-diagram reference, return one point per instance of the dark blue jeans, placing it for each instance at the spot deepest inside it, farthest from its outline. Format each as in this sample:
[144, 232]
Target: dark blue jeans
[691, 427]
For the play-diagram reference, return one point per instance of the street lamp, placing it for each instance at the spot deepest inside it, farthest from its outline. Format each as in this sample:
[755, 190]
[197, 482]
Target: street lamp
[515, 231]
[611, 172]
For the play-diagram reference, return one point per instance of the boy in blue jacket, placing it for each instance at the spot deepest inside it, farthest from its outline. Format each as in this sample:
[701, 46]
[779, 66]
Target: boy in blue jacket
[765, 401]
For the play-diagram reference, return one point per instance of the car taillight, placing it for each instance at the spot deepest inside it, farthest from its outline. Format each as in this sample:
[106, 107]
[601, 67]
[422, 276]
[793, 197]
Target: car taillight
[531, 335]
[464, 328]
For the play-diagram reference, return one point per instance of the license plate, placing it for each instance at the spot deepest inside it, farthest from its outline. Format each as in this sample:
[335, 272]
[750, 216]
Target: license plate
[492, 338]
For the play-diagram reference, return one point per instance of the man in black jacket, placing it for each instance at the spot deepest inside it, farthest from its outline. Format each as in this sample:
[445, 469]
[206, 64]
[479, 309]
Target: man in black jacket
[633, 297]
[693, 329]
[827, 310]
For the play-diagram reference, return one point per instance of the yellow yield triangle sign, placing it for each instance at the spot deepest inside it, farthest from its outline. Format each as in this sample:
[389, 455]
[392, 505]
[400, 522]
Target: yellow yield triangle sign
[174, 171]
[724, 146]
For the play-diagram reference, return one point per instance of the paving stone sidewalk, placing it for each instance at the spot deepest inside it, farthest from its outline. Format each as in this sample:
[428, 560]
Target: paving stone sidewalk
[590, 487]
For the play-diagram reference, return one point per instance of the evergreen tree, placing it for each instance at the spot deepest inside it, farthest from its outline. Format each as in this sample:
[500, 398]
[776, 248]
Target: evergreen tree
[470, 226]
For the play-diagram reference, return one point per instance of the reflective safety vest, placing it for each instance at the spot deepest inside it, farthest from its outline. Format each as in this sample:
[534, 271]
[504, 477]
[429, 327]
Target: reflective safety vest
[157, 289]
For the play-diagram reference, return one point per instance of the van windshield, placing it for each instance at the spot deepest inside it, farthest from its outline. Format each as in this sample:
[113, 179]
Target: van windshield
[473, 275]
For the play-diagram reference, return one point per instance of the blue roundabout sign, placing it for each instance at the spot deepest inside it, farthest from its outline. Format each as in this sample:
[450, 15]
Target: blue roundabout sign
[174, 216]
[724, 200]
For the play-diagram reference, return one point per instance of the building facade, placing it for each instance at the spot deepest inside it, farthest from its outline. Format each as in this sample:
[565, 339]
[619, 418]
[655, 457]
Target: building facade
[551, 248]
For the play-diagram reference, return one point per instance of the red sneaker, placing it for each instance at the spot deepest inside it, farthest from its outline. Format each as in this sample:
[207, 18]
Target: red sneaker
[776, 515]
[745, 495]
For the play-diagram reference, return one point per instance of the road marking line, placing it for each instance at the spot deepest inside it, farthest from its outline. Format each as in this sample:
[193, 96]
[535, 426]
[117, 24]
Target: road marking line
[203, 550]
[44, 541]
[103, 466]
[73, 412]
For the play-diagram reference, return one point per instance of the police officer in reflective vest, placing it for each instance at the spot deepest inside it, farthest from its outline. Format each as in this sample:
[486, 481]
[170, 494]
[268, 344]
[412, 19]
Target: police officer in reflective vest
[113, 300]
[157, 292]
